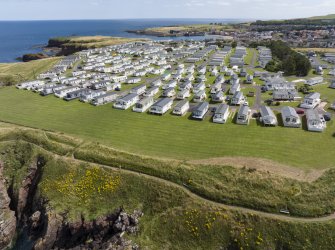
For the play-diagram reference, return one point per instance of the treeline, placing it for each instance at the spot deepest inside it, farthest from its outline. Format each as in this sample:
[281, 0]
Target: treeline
[285, 59]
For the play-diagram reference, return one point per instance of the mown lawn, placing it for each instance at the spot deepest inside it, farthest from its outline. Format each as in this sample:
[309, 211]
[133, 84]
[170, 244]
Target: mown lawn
[168, 136]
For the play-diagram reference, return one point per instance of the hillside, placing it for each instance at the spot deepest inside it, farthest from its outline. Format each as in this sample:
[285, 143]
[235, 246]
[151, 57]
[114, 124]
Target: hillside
[175, 216]
[330, 16]
[70, 45]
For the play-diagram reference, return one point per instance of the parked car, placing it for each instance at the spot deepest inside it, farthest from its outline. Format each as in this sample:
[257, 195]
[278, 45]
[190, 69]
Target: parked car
[300, 112]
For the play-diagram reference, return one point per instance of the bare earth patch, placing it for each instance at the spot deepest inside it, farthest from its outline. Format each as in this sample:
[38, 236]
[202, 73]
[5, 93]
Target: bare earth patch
[263, 165]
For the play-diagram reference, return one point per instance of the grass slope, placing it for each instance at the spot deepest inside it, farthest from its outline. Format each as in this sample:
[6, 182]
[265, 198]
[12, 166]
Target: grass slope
[168, 136]
[12, 73]
[172, 219]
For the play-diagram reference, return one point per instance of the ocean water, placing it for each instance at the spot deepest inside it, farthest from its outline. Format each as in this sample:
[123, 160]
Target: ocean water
[22, 37]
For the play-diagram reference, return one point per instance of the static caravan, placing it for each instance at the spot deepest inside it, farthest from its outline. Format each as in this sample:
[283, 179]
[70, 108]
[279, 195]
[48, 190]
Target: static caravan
[200, 96]
[314, 81]
[91, 95]
[290, 117]
[77, 94]
[315, 121]
[181, 108]
[268, 117]
[143, 104]
[200, 111]
[29, 85]
[216, 87]
[171, 84]
[250, 79]
[166, 76]
[156, 83]
[161, 106]
[104, 99]
[126, 101]
[63, 92]
[199, 87]
[134, 80]
[181, 95]
[243, 115]
[238, 98]
[151, 91]
[234, 88]
[311, 101]
[221, 114]
[51, 90]
[332, 106]
[139, 90]
[218, 96]
[220, 79]
[170, 92]
[185, 85]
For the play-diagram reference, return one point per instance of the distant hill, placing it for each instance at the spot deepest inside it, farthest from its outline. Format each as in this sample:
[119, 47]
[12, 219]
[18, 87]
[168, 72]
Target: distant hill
[330, 16]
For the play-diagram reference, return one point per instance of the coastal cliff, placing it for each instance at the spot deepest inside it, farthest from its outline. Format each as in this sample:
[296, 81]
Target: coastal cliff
[27, 221]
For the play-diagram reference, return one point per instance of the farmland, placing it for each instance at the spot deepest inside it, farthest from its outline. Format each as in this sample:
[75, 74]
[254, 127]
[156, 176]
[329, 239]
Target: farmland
[168, 136]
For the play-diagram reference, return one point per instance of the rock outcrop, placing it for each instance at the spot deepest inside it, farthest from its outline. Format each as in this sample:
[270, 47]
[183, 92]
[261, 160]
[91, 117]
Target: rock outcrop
[7, 217]
[103, 233]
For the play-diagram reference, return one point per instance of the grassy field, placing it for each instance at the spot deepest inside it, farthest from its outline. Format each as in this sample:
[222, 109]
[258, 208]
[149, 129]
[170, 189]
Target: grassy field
[94, 41]
[12, 73]
[168, 136]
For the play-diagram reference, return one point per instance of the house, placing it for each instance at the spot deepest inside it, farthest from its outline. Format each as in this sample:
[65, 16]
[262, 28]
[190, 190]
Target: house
[315, 121]
[161, 106]
[218, 96]
[151, 91]
[290, 117]
[200, 111]
[104, 99]
[285, 95]
[139, 90]
[249, 79]
[234, 88]
[181, 108]
[87, 97]
[311, 101]
[200, 96]
[199, 87]
[221, 114]
[143, 104]
[238, 98]
[314, 81]
[77, 94]
[183, 94]
[126, 102]
[267, 116]
[243, 115]
[63, 92]
[170, 92]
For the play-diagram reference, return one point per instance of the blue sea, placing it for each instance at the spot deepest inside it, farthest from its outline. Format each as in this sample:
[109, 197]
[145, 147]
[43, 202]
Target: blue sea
[21, 37]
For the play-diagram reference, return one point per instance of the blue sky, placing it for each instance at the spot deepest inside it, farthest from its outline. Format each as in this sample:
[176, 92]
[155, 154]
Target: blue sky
[120, 9]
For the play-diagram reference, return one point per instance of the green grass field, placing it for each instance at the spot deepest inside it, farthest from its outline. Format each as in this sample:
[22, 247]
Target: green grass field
[168, 136]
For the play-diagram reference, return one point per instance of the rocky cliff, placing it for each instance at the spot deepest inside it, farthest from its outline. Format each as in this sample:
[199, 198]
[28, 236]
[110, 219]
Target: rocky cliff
[35, 222]
[7, 217]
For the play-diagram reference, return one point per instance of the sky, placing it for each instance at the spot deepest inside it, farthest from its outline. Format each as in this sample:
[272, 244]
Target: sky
[132, 9]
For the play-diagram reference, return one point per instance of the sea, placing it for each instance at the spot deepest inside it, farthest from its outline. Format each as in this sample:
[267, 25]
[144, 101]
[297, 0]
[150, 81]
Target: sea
[22, 37]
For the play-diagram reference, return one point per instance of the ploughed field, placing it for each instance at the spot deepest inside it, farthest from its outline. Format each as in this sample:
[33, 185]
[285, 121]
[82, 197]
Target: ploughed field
[168, 136]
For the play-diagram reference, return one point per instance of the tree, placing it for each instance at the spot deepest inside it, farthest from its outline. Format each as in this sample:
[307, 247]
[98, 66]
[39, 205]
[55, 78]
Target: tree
[234, 44]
